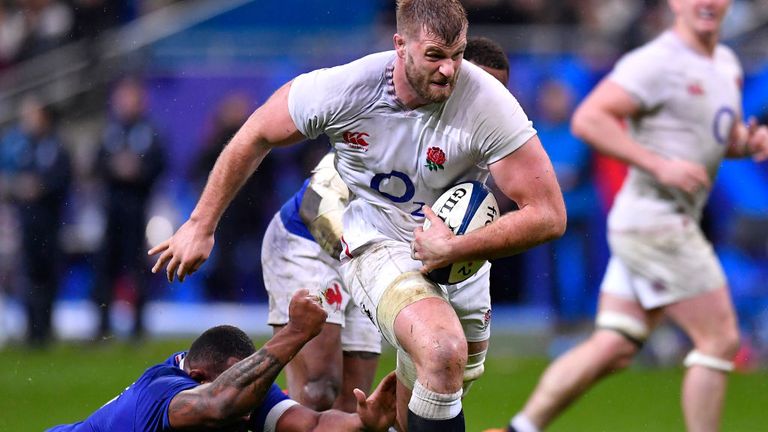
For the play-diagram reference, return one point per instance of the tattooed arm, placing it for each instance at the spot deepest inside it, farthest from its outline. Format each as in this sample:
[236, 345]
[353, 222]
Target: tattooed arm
[242, 387]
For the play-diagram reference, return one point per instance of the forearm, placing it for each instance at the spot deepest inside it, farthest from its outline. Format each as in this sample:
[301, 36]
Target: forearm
[243, 386]
[337, 421]
[235, 164]
[513, 233]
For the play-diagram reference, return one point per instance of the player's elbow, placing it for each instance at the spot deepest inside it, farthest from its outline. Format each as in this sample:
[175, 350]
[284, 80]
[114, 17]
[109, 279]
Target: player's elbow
[557, 221]
[582, 122]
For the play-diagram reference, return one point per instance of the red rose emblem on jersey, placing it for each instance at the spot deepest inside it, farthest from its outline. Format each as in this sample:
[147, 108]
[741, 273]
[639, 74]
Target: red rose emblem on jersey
[435, 158]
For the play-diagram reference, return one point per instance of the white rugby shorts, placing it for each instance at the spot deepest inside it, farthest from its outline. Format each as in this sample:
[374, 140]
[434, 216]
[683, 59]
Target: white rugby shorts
[662, 266]
[291, 262]
[375, 268]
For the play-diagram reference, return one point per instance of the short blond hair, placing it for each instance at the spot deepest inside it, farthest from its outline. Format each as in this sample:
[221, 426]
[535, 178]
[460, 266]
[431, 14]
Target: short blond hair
[445, 19]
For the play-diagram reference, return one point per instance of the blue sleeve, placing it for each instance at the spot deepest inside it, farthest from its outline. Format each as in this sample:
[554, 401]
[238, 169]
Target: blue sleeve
[259, 416]
[152, 404]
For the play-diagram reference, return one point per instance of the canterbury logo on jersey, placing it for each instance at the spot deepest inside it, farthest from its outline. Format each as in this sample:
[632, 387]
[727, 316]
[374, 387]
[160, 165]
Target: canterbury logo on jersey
[356, 140]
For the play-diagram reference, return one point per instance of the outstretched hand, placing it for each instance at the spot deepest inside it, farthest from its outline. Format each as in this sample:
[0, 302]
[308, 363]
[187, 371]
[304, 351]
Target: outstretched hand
[378, 411]
[432, 246]
[184, 252]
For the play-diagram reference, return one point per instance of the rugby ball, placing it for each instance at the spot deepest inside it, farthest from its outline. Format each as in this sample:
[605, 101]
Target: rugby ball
[464, 208]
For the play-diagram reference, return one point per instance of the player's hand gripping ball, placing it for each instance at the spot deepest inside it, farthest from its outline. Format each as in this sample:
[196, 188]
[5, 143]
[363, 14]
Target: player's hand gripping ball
[464, 207]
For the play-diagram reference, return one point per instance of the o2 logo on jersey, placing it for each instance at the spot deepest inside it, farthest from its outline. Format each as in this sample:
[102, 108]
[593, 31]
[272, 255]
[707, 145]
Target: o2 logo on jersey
[723, 124]
[399, 188]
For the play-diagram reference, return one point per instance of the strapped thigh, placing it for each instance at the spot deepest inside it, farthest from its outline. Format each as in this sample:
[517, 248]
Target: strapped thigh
[633, 329]
[406, 289]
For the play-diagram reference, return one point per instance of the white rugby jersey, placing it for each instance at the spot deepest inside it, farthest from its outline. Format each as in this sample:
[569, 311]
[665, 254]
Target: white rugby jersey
[395, 159]
[689, 104]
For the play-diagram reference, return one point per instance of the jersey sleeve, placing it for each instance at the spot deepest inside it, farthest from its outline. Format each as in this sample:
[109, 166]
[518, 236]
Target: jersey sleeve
[638, 73]
[316, 99]
[503, 131]
[265, 417]
[152, 403]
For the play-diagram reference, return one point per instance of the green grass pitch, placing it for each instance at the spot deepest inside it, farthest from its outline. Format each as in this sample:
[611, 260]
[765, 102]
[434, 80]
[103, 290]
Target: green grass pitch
[66, 383]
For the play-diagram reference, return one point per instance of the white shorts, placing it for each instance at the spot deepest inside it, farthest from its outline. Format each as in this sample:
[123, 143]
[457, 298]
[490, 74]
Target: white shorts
[661, 267]
[375, 268]
[291, 262]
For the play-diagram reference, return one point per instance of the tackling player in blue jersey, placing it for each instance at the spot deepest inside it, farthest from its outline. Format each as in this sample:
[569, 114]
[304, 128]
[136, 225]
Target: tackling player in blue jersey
[221, 384]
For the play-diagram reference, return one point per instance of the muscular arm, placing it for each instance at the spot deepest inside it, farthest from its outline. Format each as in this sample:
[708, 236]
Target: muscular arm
[242, 387]
[239, 389]
[526, 176]
[269, 126]
[375, 413]
[599, 122]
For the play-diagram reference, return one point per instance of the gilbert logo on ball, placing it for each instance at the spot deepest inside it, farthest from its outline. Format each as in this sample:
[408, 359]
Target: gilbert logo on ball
[464, 208]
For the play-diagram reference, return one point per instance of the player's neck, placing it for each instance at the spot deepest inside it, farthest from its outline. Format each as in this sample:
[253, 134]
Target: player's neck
[403, 89]
[703, 44]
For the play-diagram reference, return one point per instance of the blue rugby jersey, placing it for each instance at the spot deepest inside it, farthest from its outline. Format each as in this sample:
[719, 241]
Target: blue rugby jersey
[143, 406]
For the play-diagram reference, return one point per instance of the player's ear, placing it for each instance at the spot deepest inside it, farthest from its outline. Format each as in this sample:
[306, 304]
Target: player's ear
[199, 375]
[399, 42]
[231, 361]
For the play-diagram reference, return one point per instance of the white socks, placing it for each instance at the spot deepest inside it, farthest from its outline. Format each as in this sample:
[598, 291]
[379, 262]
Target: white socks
[434, 406]
[521, 423]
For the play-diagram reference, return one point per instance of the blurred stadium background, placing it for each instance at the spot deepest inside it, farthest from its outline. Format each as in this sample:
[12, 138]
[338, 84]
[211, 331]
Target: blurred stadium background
[206, 64]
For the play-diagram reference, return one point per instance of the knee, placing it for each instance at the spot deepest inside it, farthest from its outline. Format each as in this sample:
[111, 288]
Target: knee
[617, 352]
[725, 345]
[444, 355]
[320, 393]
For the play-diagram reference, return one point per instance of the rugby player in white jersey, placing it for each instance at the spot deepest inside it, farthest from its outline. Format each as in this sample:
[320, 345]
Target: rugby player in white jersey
[406, 125]
[681, 94]
[301, 249]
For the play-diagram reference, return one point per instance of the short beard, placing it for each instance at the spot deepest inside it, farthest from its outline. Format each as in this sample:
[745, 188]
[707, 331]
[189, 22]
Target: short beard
[420, 84]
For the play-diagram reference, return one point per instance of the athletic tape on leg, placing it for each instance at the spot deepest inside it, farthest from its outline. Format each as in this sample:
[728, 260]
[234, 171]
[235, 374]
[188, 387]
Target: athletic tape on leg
[405, 369]
[629, 326]
[474, 370]
[406, 289]
[697, 358]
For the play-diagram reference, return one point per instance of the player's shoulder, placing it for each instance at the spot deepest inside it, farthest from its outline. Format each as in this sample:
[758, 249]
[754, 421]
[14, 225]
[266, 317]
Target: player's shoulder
[477, 87]
[726, 55]
[361, 74]
[171, 367]
[340, 91]
[657, 51]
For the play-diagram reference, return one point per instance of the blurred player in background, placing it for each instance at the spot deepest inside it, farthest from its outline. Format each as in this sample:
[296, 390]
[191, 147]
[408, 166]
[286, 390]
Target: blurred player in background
[130, 160]
[223, 384]
[302, 245]
[406, 125]
[34, 175]
[681, 93]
